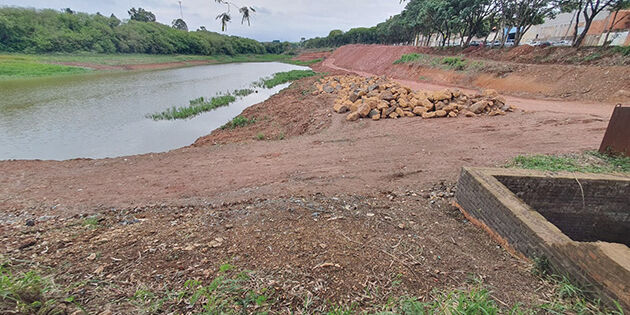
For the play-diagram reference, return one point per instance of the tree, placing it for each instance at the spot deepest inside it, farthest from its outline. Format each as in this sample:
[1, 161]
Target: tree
[523, 14]
[620, 5]
[141, 15]
[226, 17]
[180, 25]
[588, 9]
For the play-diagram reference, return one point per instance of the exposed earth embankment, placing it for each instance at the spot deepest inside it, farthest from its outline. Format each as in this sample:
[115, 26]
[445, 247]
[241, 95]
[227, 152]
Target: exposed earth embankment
[590, 83]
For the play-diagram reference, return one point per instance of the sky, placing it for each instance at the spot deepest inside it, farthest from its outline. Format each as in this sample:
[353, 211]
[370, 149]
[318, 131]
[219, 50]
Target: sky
[285, 20]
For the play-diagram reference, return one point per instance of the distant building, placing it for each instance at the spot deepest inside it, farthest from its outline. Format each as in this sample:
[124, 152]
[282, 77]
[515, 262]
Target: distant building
[562, 28]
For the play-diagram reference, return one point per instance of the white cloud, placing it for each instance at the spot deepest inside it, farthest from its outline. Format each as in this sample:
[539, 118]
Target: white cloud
[275, 19]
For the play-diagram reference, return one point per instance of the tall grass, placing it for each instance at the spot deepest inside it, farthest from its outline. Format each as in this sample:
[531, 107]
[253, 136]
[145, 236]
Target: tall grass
[197, 106]
[284, 77]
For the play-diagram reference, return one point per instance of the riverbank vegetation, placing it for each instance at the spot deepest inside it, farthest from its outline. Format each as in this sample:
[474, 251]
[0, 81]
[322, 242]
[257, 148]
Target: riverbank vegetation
[196, 107]
[202, 104]
[284, 77]
[25, 30]
[24, 67]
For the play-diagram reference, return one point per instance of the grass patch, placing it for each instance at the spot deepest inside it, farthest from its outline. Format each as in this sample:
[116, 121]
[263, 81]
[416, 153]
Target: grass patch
[197, 106]
[593, 56]
[409, 58]
[304, 63]
[30, 293]
[92, 223]
[588, 162]
[284, 77]
[454, 63]
[26, 67]
[239, 121]
[228, 293]
[449, 63]
[260, 136]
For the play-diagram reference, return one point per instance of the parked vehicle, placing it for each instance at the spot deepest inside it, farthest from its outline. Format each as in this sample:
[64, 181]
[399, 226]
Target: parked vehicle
[562, 43]
[474, 43]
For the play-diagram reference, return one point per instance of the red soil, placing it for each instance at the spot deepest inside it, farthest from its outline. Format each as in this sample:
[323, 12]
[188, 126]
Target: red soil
[596, 84]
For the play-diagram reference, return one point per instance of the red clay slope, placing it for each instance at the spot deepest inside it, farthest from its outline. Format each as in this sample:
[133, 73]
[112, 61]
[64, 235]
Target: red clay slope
[369, 58]
[608, 84]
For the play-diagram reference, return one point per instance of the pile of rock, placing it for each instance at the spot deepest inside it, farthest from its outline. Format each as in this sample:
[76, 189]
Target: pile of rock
[379, 97]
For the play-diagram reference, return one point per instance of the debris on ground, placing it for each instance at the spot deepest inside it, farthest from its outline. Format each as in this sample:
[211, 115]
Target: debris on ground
[380, 97]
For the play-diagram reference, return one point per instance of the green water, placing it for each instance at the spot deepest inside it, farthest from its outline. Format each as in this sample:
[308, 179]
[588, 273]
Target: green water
[103, 115]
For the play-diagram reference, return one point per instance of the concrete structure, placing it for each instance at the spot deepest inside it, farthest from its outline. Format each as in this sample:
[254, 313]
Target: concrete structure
[579, 222]
[562, 28]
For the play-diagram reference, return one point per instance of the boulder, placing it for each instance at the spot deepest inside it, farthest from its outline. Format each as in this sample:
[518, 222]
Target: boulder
[364, 110]
[399, 111]
[387, 96]
[353, 97]
[452, 114]
[382, 105]
[419, 110]
[478, 107]
[441, 113]
[428, 115]
[373, 113]
[441, 95]
[376, 117]
[352, 116]
[341, 108]
[388, 111]
[328, 89]
[393, 115]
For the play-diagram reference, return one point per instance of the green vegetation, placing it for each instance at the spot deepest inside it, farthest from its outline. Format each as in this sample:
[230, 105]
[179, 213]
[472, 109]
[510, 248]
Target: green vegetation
[43, 31]
[304, 63]
[197, 106]
[588, 162]
[410, 58]
[29, 293]
[239, 121]
[228, 293]
[24, 67]
[260, 136]
[242, 92]
[455, 63]
[284, 77]
[92, 222]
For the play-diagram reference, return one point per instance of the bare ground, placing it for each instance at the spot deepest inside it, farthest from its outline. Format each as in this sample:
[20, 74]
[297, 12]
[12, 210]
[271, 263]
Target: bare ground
[321, 208]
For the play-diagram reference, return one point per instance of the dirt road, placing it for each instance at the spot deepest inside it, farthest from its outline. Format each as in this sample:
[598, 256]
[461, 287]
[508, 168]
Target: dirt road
[362, 157]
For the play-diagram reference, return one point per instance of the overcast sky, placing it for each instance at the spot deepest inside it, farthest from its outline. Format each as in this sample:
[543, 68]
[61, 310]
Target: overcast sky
[275, 19]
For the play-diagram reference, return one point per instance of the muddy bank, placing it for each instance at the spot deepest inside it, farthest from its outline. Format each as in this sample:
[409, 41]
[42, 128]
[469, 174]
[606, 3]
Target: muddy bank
[144, 66]
[608, 84]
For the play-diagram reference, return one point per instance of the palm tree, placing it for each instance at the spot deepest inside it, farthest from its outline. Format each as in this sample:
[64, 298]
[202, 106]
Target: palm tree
[226, 17]
[245, 12]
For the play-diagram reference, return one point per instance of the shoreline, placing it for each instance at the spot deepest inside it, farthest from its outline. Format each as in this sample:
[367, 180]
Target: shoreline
[121, 63]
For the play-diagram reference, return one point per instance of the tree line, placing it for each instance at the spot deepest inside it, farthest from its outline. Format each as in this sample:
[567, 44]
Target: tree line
[27, 30]
[447, 20]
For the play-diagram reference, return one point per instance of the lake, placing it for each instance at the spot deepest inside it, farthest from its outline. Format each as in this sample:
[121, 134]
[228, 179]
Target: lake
[104, 115]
